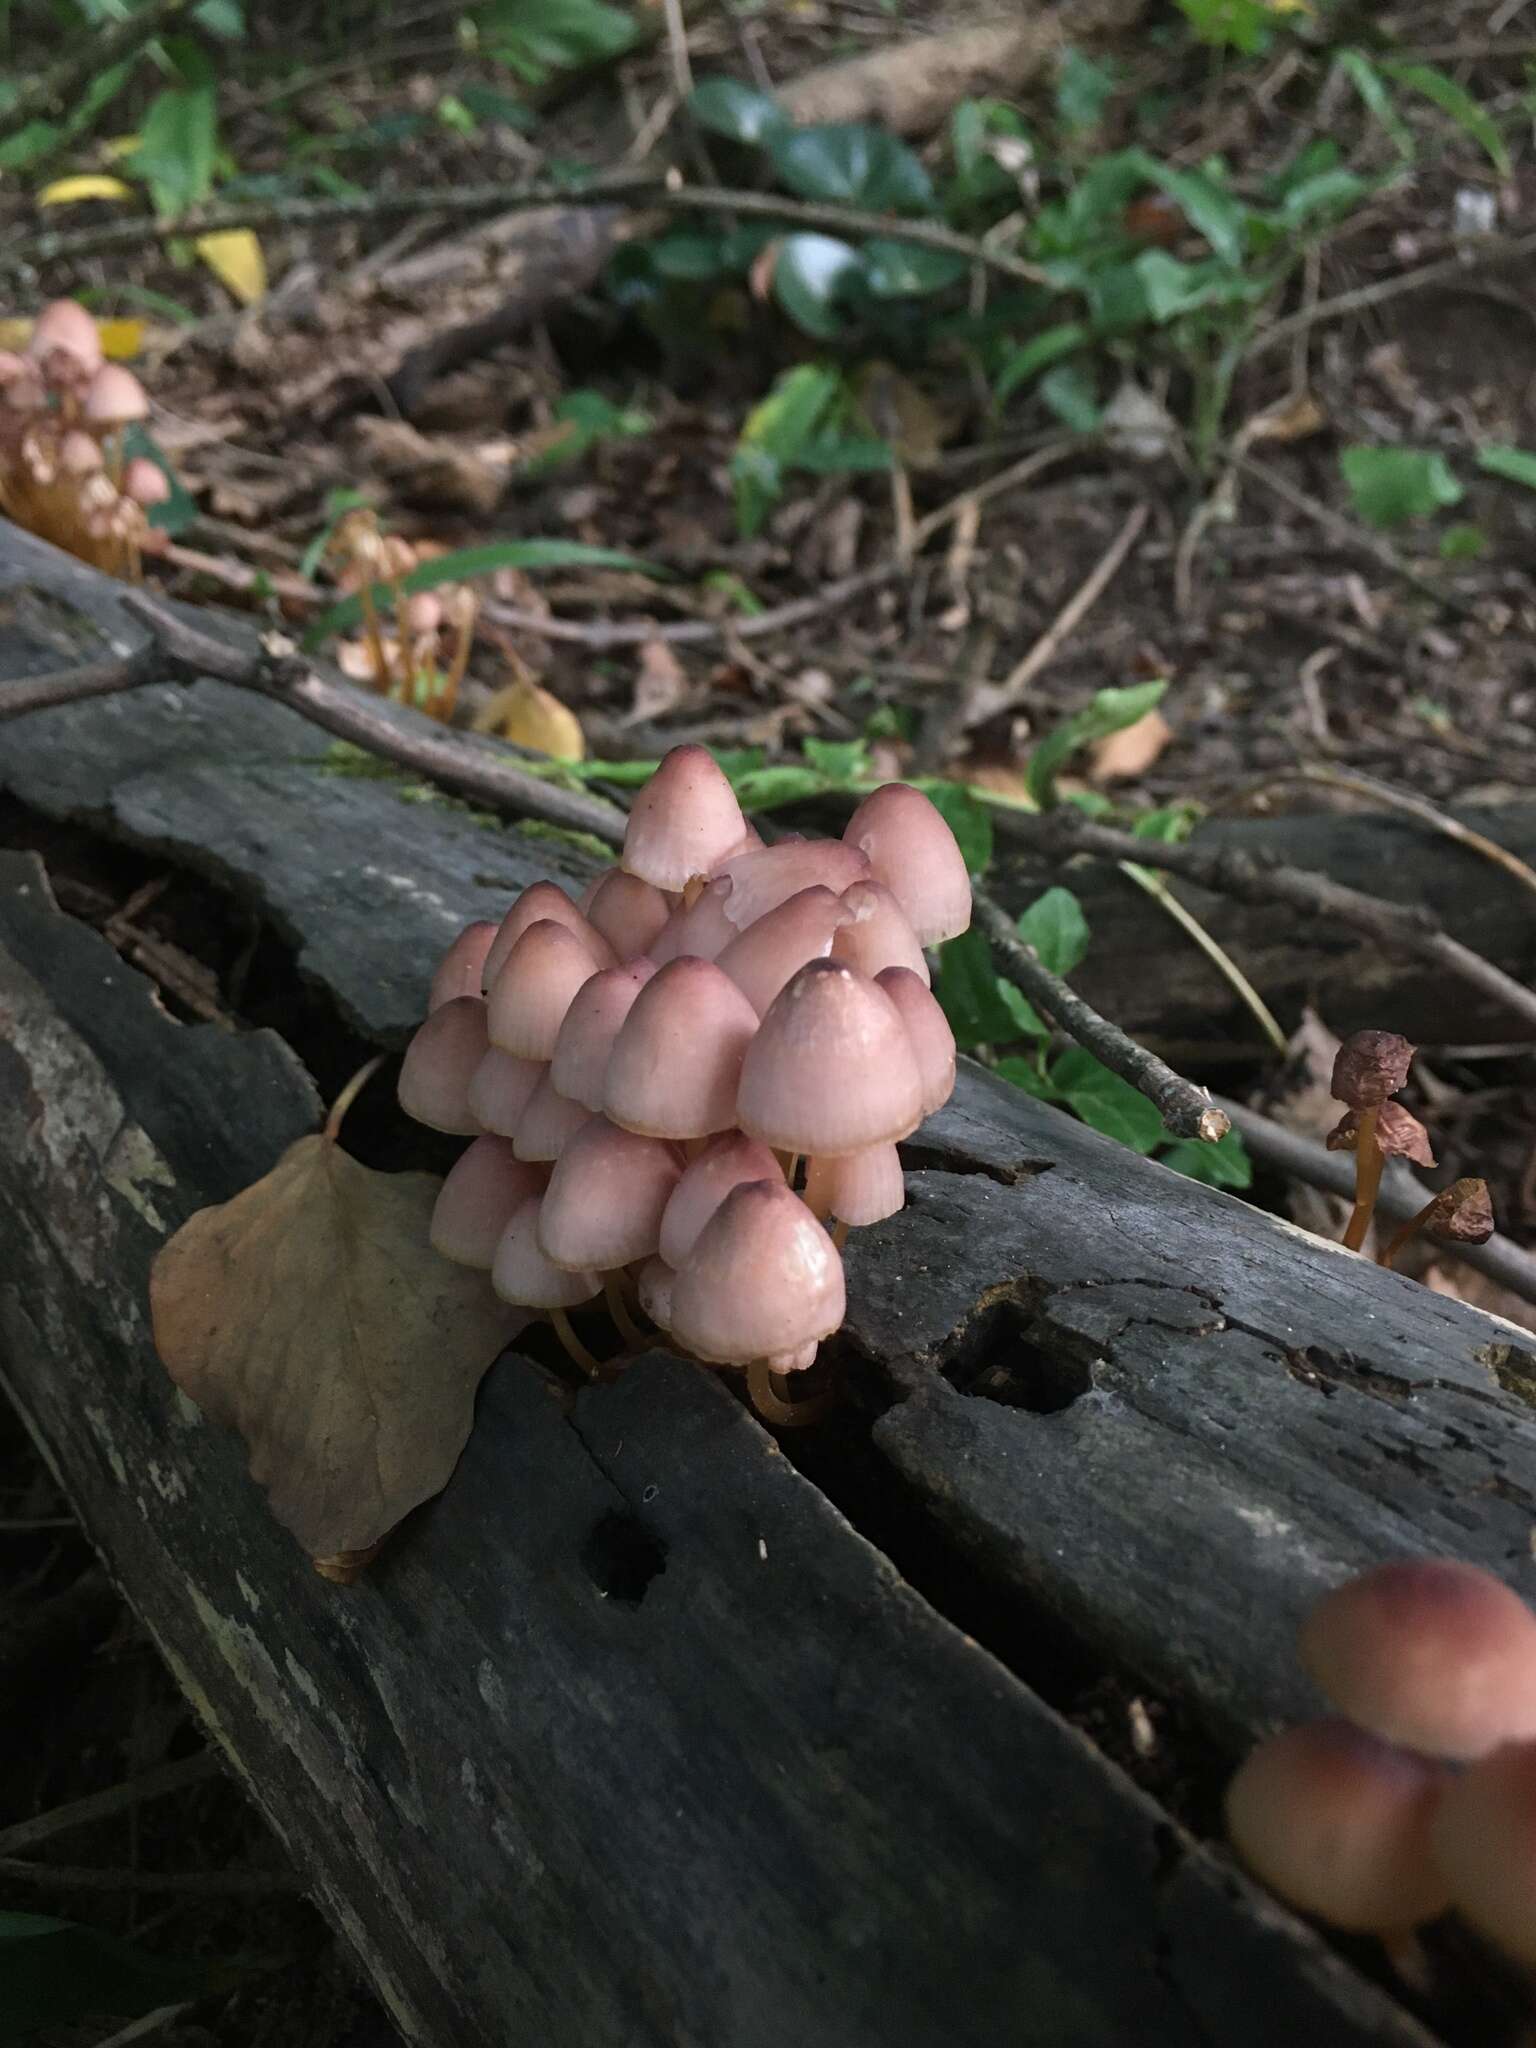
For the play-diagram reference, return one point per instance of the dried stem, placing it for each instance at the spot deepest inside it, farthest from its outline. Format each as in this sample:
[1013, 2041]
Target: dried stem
[1369, 1160]
[1187, 1111]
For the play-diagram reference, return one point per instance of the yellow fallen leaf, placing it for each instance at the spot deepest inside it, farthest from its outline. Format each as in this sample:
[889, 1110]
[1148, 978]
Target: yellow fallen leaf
[1124, 755]
[237, 262]
[531, 717]
[116, 147]
[15, 334]
[88, 185]
[121, 340]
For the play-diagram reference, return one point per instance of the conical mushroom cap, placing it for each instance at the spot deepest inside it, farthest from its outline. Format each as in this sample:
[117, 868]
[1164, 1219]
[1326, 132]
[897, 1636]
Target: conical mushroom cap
[592, 1023]
[147, 484]
[767, 876]
[538, 901]
[1338, 1823]
[605, 1199]
[831, 1069]
[859, 1188]
[764, 1278]
[933, 1043]
[629, 913]
[500, 1089]
[114, 397]
[913, 852]
[460, 972]
[700, 930]
[549, 1122]
[439, 1065]
[763, 957]
[723, 1164]
[477, 1201]
[655, 1287]
[521, 1274]
[684, 821]
[63, 324]
[676, 1063]
[875, 933]
[534, 988]
[1485, 1842]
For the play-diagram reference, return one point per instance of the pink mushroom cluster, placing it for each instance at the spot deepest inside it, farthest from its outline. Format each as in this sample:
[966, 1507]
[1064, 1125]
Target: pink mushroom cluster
[63, 473]
[685, 1089]
[1421, 1795]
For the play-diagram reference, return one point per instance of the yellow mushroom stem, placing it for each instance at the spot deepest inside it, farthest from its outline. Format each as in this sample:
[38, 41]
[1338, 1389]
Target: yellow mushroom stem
[575, 1349]
[1407, 1230]
[1369, 1161]
[840, 1233]
[618, 1308]
[764, 1385]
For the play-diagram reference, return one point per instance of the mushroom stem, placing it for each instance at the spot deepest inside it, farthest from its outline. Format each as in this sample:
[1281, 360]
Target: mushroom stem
[383, 679]
[818, 1189]
[840, 1233]
[349, 1095]
[763, 1386]
[693, 889]
[1369, 1161]
[460, 662]
[624, 1322]
[1401, 1235]
[574, 1347]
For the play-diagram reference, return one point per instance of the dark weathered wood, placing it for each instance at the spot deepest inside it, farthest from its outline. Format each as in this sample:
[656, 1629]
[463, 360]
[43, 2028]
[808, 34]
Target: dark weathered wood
[580, 1760]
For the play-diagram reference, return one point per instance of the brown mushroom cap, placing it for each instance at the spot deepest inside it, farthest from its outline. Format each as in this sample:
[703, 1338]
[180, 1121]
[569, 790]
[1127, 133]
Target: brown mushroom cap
[933, 1043]
[1463, 1213]
[684, 821]
[477, 1202]
[763, 1278]
[859, 1188]
[913, 852]
[831, 1069]
[592, 1023]
[1338, 1823]
[535, 986]
[1435, 1655]
[548, 1123]
[1398, 1132]
[1485, 1842]
[500, 1089]
[1369, 1066]
[763, 878]
[538, 901]
[628, 912]
[460, 972]
[439, 1065]
[523, 1275]
[875, 933]
[724, 1164]
[763, 957]
[676, 1063]
[605, 1199]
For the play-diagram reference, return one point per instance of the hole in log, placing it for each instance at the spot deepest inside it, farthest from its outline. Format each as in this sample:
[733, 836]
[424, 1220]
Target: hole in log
[994, 1358]
[621, 1557]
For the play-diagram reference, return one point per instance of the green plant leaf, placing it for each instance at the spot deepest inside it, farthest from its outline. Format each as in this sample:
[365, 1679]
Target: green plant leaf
[1055, 926]
[55, 1973]
[895, 270]
[840, 761]
[1377, 96]
[538, 37]
[1390, 486]
[178, 146]
[810, 274]
[776, 434]
[852, 164]
[1039, 352]
[1463, 542]
[1071, 392]
[725, 106]
[1084, 88]
[971, 995]
[967, 818]
[1026, 1075]
[765, 789]
[1110, 711]
[466, 563]
[1223, 1165]
[1207, 206]
[498, 109]
[29, 145]
[1458, 103]
[1106, 1102]
[1515, 465]
[1241, 25]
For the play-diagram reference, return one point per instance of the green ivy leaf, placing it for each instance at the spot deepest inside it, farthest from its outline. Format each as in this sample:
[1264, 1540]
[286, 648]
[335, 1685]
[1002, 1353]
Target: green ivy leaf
[1071, 393]
[896, 270]
[177, 148]
[1084, 89]
[775, 436]
[808, 278]
[1223, 1165]
[1026, 1075]
[1039, 352]
[968, 988]
[1055, 926]
[1106, 1102]
[967, 818]
[1390, 486]
[1515, 465]
[852, 164]
[1110, 711]
[725, 106]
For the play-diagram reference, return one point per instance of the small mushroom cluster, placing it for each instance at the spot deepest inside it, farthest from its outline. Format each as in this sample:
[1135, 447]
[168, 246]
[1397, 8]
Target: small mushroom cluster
[63, 472]
[418, 651]
[1423, 1795]
[646, 1072]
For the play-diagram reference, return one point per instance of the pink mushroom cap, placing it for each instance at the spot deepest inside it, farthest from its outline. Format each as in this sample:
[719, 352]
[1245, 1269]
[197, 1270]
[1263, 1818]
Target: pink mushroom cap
[460, 972]
[80, 455]
[146, 483]
[767, 876]
[592, 1023]
[541, 900]
[1430, 1653]
[535, 986]
[699, 929]
[724, 1164]
[1485, 1842]
[548, 1123]
[114, 397]
[477, 1201]
[831, 1069]
[1338, 1823]
[501, 1088]
[913, 852]
[857, 1187]
[655, 1283]
[629, 913]
[676, 1063]
[63, 324]
[606, 1197]
[763, 1279]
[932, 1041]
[439, 1064]
[683, 822]
[523, 1275]
[763, 957]
[875, 934]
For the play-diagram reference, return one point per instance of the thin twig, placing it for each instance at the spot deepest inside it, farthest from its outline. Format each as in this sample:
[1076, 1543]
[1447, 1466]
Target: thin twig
[659, 189]
[1226, 871]
[228, 1884]
[1415, 806]
[68, 685]
[1185, 1109]
[79, 1813]
[1402, 1192]
[147, 2024]
[461, 763]
[93, 55]
[1211, 947]
[1482, 255]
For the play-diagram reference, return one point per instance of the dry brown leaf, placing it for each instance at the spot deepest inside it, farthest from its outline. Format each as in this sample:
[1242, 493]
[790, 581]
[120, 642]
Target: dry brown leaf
[661, 683]
[435, 470]
[1293, 419]
[312, 1314]
[1123, 755]
[533, 718]
[900, 412]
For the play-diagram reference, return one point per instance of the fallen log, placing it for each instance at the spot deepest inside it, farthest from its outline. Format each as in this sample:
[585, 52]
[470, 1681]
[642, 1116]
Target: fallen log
[641, 1733]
